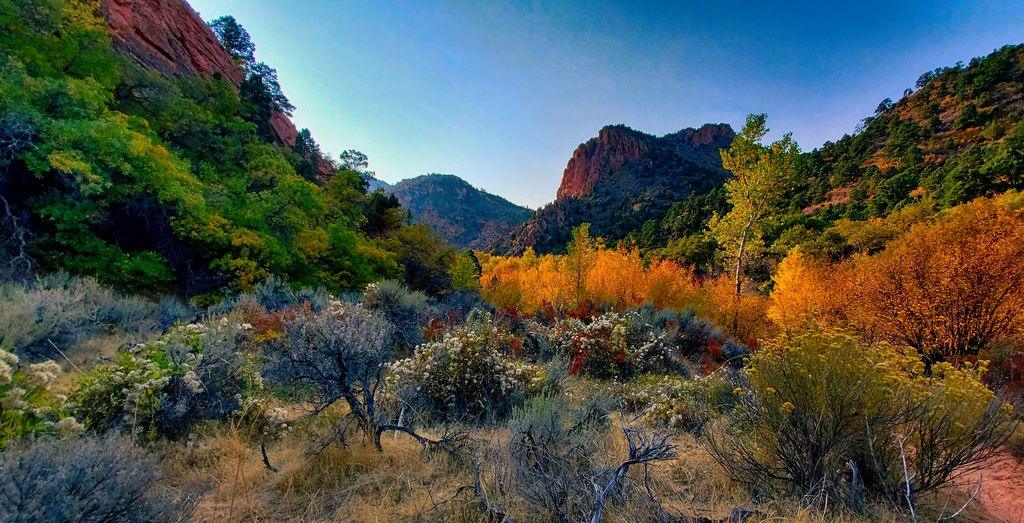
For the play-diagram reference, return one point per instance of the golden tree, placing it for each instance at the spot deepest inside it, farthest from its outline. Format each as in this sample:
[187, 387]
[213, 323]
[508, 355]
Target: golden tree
[578, 260]
[952, 287]
[809, 291]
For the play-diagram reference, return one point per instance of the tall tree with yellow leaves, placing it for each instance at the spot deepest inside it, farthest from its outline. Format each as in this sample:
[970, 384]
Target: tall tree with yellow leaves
[578, 260]
[761, 174]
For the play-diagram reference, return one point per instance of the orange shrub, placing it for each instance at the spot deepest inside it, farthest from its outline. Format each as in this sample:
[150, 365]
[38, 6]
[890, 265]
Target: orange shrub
[615, 278]
[809, 291]
[717, 302]
[952, 287]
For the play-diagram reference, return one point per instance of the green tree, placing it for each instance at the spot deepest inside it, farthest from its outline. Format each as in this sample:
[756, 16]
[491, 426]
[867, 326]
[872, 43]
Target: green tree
[968, 117]
[263, 89]
[761, 175]
[884, 106]
[465, 272]
[579, 259]
[310, 154]
[425, 258]
[235, 39]
[355, 161]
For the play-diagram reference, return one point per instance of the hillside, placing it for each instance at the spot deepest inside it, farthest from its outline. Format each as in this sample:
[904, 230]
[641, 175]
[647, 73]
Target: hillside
[623, 178]
[956, 137]
[170, 163]
[462, 214]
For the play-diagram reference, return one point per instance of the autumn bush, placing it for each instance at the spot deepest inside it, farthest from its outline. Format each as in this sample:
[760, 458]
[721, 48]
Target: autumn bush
[951, 287]
[743, 318]
[467, 375]
[824, 416]
[610, 278]
[811, 292]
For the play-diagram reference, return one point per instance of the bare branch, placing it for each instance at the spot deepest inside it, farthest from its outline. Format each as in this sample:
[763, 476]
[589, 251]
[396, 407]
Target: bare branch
[644, 448]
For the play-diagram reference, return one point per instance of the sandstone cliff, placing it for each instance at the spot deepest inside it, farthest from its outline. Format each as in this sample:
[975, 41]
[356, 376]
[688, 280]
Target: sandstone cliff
[614, 146]
[596, 160]
[169, 36]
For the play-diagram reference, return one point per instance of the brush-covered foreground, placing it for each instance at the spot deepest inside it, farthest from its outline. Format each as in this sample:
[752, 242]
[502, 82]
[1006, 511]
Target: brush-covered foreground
[296, 405]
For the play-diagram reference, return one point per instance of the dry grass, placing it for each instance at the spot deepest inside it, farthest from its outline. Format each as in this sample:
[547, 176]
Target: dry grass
[337, 484]
[405, 484]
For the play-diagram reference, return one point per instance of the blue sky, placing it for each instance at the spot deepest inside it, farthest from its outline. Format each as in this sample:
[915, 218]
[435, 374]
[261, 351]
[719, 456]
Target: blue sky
[501, 93]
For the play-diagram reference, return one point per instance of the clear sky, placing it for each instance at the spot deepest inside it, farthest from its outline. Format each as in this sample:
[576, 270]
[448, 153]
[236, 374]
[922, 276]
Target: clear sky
[501, 93]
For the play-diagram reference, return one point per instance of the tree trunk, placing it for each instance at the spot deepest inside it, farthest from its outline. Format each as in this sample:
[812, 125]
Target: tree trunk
[739, 274]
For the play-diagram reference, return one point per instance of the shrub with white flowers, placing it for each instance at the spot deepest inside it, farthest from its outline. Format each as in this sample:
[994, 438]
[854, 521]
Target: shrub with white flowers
[675, 402]
[27, 403]
[194, 372]
[465, 376]
[613, 345]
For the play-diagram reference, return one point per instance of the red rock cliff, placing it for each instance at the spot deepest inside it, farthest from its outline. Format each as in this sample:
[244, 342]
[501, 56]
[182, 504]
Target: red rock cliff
[617, 144]
[614, 146]
[168, 36]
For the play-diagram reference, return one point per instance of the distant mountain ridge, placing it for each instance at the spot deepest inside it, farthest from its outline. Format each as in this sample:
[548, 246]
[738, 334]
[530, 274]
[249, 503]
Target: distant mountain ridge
[622, 178]
[464, 215]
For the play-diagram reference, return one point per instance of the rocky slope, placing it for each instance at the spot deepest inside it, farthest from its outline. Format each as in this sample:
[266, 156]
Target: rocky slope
[169, 36]
[622, 178]
[462, 214]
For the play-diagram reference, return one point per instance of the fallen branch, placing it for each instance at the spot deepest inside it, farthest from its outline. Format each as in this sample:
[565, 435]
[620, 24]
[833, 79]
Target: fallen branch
[266, 459]
[449, 442]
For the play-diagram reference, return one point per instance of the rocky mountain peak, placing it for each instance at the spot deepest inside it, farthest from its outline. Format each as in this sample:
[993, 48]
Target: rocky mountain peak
[615, 145]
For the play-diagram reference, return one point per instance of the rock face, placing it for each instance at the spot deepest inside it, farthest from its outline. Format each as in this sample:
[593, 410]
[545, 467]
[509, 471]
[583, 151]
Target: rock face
[460, 213]
[617, 144]
[622, 178]
[614, 146]
[169, 36]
